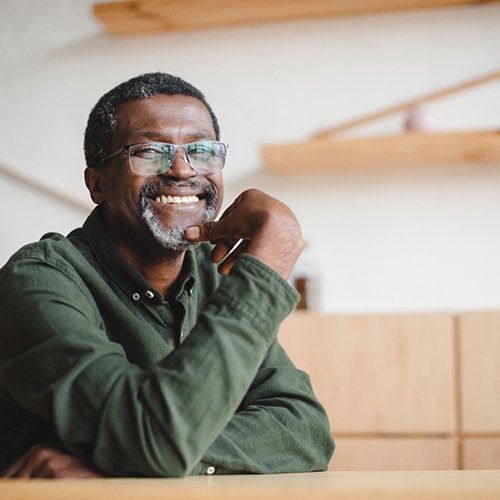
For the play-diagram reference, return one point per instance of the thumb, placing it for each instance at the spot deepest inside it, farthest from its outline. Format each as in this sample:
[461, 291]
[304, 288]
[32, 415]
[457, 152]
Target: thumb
[204, 232]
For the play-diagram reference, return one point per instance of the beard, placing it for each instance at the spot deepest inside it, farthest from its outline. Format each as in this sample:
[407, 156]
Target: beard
[173, 238]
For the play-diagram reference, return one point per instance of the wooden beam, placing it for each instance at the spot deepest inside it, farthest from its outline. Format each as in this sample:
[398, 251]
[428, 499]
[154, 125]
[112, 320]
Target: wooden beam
[49, 190]
[405, 106]
[147, 16]
[398, 150]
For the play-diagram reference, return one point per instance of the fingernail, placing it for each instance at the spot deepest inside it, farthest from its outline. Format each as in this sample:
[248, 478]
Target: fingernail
[192, 233]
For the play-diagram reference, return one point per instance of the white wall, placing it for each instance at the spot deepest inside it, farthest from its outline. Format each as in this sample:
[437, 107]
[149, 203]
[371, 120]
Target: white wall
[391, 239]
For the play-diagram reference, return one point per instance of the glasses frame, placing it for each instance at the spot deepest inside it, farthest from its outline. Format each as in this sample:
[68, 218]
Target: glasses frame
[127, 148]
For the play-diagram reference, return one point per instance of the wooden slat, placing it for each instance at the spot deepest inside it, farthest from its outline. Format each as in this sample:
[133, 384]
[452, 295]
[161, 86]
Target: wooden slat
[397, 150]
[394, 454]
[144, 16]
[482, 453]
[480, 371]
[54, 193]
[407, 105]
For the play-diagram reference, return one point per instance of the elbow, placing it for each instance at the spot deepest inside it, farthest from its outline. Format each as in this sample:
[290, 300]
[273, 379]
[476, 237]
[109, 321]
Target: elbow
[326, 456]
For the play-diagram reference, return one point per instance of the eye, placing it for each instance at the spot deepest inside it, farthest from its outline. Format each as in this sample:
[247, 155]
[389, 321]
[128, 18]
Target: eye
[148, 151]
[202, 150]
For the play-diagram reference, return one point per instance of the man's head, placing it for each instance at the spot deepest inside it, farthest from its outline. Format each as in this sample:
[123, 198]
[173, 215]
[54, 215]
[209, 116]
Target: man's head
[138, 204]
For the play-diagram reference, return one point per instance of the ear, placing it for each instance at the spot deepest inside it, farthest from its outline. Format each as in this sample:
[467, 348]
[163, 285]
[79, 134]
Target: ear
[94, 183]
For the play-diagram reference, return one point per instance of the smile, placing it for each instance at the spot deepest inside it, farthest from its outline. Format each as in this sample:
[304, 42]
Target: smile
[177, 199]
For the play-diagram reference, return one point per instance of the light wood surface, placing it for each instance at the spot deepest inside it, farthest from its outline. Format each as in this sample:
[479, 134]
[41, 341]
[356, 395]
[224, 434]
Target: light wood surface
[395, 453]
[378, 373]
[409, 149]
[449, 485]
[481, 453]
[480, 371]
[146, 16]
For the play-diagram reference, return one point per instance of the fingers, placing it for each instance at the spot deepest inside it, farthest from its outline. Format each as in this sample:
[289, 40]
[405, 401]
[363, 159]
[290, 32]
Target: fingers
[21, 468]
[13, 470]
[46, 462]
[226, 266]
[215, 231]
[222, 249]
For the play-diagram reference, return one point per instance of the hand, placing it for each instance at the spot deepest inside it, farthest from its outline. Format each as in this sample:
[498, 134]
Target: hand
[46, 462]
[264, 228]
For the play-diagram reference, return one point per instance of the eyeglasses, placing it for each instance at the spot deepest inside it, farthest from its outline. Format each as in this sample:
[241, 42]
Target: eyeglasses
[154, 158]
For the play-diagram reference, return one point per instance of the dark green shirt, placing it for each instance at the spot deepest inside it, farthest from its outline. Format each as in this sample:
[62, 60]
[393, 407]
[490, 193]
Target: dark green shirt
[94, 360]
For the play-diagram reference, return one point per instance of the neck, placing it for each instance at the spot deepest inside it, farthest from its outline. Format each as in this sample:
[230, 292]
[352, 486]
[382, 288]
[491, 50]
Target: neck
[158, 266]
[161, 270]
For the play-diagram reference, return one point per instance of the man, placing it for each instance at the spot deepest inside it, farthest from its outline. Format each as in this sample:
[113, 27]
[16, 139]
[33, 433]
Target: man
[124, 351]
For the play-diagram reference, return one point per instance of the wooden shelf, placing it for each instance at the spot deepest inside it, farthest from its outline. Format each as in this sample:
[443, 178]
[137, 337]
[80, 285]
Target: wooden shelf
[148, 16]
[396, 150]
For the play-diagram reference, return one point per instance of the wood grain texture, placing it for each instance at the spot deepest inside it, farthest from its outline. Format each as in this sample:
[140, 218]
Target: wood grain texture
[479, 335]
[147, 16]
[410, 149]
[394, 454]
[380, 485]
[378, 373]
[481, 453]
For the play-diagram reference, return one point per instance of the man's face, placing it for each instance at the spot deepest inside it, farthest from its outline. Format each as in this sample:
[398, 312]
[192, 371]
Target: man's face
[163, 205]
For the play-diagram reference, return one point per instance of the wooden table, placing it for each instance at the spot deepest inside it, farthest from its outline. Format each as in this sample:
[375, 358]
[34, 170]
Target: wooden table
[452, 485]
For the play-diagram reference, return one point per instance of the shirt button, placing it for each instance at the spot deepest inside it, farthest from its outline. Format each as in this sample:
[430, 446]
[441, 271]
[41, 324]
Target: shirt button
[149, 294]
[136, 296]
[210, 470]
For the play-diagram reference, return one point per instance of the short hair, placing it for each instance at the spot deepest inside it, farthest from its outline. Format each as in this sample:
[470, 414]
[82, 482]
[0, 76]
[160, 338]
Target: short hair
[103, 118]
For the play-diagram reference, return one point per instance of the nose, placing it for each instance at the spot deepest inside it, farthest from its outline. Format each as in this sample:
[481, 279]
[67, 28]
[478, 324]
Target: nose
[180, 167]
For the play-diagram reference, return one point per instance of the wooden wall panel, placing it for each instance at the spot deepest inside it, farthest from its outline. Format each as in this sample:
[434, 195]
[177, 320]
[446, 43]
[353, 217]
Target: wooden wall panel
[481, 453]
[380, 373]
[394, 454]
[479, 346]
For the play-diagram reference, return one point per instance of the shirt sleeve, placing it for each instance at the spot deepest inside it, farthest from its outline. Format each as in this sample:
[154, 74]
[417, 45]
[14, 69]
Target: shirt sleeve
[58, 363]
[279, 427]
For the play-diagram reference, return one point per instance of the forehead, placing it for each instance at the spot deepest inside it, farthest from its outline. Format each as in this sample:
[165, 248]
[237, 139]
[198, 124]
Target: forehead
[166, 114]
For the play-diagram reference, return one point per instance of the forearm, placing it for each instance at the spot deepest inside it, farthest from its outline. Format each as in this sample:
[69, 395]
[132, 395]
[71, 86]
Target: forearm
[129, 421]
[280, 426]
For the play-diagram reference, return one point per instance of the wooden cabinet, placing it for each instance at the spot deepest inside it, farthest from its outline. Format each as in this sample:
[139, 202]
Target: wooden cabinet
[405, 391]
[480, 372]
[385, 374]
[394, 453]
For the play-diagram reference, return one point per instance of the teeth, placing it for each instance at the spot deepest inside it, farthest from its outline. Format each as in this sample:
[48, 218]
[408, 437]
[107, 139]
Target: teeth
[177, 199]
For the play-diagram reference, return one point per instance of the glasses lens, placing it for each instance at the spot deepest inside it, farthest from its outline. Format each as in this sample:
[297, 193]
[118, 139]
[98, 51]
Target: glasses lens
[152, 158]
[206, 156]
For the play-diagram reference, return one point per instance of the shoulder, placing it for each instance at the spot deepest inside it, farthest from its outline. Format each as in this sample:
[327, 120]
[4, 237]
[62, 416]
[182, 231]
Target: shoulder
[52, 252]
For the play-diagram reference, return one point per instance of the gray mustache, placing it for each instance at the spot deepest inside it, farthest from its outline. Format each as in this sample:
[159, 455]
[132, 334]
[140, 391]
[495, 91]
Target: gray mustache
[149, 190]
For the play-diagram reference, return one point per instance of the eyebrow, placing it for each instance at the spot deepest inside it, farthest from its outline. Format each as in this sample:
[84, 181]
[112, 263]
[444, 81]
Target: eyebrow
[155, 135]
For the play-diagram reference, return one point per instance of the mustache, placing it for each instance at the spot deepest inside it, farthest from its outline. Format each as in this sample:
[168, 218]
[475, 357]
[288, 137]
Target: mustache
[150, 189]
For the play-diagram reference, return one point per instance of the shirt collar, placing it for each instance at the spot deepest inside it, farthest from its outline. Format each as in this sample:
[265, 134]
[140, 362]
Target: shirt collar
[115, 265]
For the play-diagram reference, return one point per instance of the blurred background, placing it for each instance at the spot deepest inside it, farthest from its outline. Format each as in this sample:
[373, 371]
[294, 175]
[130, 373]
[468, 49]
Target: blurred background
[381, 239]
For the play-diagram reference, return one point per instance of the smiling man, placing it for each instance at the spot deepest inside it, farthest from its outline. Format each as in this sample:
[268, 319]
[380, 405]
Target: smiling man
[133, 347]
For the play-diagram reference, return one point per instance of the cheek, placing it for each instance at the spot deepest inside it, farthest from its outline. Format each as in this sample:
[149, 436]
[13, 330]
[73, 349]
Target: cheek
[122, 193]
[216, 180]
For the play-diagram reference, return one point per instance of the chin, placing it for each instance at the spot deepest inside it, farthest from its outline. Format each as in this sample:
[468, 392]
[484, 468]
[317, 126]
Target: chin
[170, 238]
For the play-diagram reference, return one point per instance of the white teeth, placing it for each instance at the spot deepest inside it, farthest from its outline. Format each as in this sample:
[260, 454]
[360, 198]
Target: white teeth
[177, 199]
